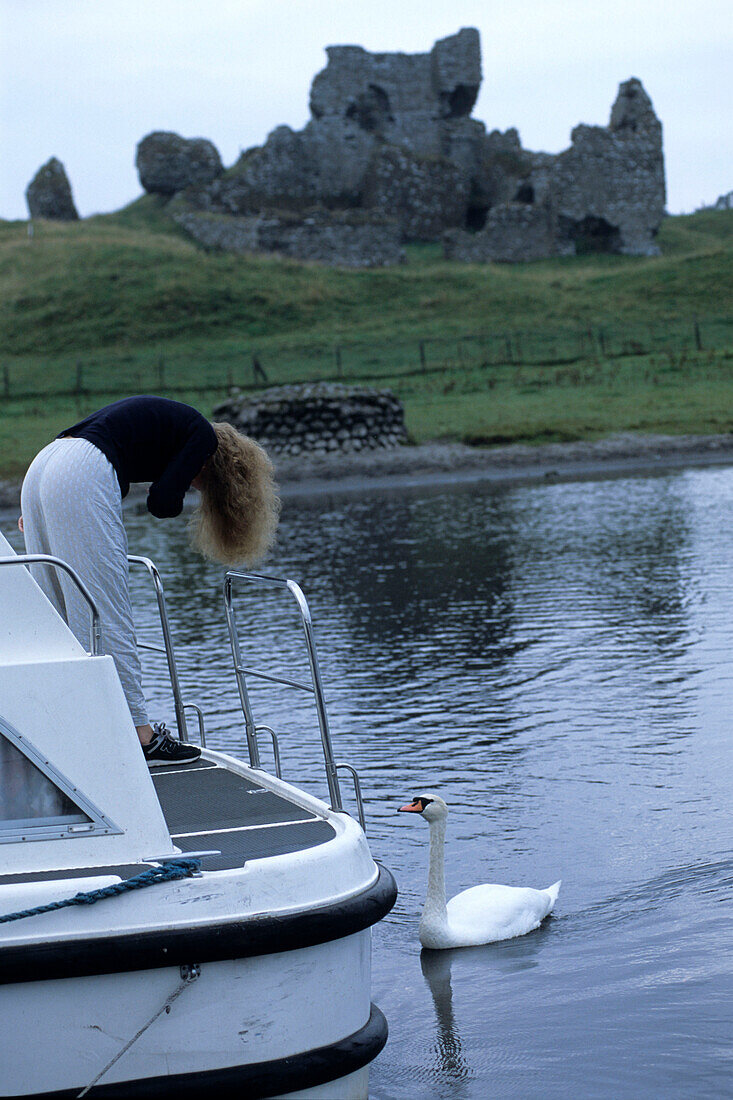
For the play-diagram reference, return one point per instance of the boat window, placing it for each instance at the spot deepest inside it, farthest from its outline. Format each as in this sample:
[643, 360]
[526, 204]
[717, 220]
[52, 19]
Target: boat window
[36, 801]
[28, 797]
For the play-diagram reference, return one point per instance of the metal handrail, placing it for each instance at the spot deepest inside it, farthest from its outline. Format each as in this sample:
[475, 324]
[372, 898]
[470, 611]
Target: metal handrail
[178, 703]
[357, 792]
[57, 563]
[275, 747]
[200, 717]
[316, 686]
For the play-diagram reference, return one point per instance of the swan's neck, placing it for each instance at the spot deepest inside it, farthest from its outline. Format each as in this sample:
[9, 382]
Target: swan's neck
[435, 910]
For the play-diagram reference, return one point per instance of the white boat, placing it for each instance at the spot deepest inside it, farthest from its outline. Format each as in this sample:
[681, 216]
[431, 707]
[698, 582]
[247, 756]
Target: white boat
[249, 973]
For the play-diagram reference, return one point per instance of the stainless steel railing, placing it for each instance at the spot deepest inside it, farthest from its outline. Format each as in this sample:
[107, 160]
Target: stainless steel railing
[251, 729]
[315, 687]
[167, 648]
[179, 706]
[57, 563]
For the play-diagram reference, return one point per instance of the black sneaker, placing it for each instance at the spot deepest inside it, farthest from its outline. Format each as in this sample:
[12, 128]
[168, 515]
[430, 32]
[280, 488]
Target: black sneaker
[164, 749]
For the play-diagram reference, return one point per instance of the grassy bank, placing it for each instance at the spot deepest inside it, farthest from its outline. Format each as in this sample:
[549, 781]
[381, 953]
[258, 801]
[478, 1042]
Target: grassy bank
[562, 348]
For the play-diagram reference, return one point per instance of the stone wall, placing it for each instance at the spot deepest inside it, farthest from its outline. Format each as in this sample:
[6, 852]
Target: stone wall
[391, 135]
[606, 193]
[345, 239]
[317, 418]
[611, 180]
[513, 232]
[424, 194]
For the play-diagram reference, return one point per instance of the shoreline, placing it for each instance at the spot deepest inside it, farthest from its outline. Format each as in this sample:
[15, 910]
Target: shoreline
[441, 464]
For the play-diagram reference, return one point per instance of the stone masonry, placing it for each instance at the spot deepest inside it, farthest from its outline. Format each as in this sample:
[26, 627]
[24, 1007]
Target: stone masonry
[317, 418]
[345, 238]
[605, 193]
[391, 138]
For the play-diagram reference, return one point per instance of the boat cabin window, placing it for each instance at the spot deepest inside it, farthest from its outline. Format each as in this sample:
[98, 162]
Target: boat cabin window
[28, 797]
[36, 801]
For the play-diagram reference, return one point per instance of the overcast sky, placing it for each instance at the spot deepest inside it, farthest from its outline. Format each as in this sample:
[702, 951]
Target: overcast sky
[85, 80]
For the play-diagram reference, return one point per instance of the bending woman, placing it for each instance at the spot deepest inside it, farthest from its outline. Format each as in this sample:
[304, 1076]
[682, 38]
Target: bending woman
[71, 504]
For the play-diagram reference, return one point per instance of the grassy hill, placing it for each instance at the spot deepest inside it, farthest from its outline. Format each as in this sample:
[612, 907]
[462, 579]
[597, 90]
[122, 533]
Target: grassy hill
[132, 277]
[125, 302]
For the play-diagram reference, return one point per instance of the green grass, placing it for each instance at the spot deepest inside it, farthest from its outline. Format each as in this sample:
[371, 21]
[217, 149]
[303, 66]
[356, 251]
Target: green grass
[125, 303]
[651, 394]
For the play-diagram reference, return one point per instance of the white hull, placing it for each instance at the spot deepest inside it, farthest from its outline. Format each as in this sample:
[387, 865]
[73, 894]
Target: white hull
[223, 945]
[58, 1035]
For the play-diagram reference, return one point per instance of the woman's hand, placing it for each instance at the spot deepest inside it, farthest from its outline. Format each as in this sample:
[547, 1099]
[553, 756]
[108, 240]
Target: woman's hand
[20, 523]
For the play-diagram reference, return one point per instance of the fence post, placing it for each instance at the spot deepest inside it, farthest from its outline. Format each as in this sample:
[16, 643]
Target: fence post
[258, 370]
[6, 381]
[422, 356]
[602, 342]
[698, 338]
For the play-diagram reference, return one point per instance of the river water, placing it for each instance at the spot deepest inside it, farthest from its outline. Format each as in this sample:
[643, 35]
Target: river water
[557, 662]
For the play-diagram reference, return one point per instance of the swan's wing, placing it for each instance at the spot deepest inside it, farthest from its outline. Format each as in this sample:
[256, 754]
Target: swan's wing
[493, 912]
[553, 891]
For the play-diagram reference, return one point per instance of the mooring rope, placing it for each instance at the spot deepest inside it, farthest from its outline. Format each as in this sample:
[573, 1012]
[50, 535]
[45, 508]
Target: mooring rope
[169, 872]
[189, 975]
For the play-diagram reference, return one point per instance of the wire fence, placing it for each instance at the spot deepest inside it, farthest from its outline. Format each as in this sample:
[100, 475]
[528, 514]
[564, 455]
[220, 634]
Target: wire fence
[367, 360]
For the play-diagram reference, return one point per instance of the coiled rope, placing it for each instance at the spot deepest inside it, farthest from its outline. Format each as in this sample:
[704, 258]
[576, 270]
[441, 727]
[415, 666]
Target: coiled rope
[169, 872]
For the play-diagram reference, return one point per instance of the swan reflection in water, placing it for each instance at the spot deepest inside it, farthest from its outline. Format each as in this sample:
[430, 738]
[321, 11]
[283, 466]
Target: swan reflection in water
[436, 967]
[478, 970]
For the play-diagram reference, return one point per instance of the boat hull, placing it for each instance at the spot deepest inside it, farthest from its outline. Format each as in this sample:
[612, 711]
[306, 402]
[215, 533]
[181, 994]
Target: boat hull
[272, 1025]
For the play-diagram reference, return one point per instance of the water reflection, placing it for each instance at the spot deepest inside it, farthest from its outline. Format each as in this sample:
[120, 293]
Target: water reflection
[487, 967]
[555, 661]
[448, 1049]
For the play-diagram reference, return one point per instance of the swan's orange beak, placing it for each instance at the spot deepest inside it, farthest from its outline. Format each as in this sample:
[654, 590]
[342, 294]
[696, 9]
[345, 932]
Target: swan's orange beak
[412, 808]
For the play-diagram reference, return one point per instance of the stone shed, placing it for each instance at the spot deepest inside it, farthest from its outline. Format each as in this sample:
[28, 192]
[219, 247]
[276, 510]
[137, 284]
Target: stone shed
[317, 418]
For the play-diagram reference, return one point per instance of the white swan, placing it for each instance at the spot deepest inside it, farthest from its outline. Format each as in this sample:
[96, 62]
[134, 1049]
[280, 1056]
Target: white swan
[482, 914]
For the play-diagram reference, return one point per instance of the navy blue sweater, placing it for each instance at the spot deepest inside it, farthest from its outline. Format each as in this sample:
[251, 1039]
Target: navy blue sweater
[151, 439]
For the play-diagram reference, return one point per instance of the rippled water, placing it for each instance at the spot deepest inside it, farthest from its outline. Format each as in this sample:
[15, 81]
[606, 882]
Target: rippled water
[557, 661]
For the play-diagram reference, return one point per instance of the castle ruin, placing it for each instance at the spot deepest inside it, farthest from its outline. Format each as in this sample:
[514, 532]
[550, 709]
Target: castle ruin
[391, 155]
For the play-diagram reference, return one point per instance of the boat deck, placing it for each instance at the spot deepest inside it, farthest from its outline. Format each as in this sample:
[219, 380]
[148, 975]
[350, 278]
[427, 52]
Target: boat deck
[208, 807]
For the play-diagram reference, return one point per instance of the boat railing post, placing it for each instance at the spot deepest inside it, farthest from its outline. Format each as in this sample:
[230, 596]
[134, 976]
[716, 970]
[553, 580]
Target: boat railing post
[202, 724]
[275, 747]
[357, 791]
[249, 722]
[178, 705]
[331, 769]
[57, 563]
[315, 687]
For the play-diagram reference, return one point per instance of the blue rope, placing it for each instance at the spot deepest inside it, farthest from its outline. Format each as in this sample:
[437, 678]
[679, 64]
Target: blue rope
[169, 872]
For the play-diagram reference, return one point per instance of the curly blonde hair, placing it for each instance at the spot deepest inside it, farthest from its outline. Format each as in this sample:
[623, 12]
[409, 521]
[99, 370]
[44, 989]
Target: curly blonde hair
[237, 515]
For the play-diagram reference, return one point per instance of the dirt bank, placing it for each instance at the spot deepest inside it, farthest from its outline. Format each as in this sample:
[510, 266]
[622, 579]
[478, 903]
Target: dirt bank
[444, 463]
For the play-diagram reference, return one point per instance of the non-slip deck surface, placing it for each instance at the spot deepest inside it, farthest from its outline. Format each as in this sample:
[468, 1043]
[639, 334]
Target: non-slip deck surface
[208, 807]
[215, 798]
[239, 846]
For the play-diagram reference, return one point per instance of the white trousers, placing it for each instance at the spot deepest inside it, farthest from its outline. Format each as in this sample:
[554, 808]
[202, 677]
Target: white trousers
[72, 508]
